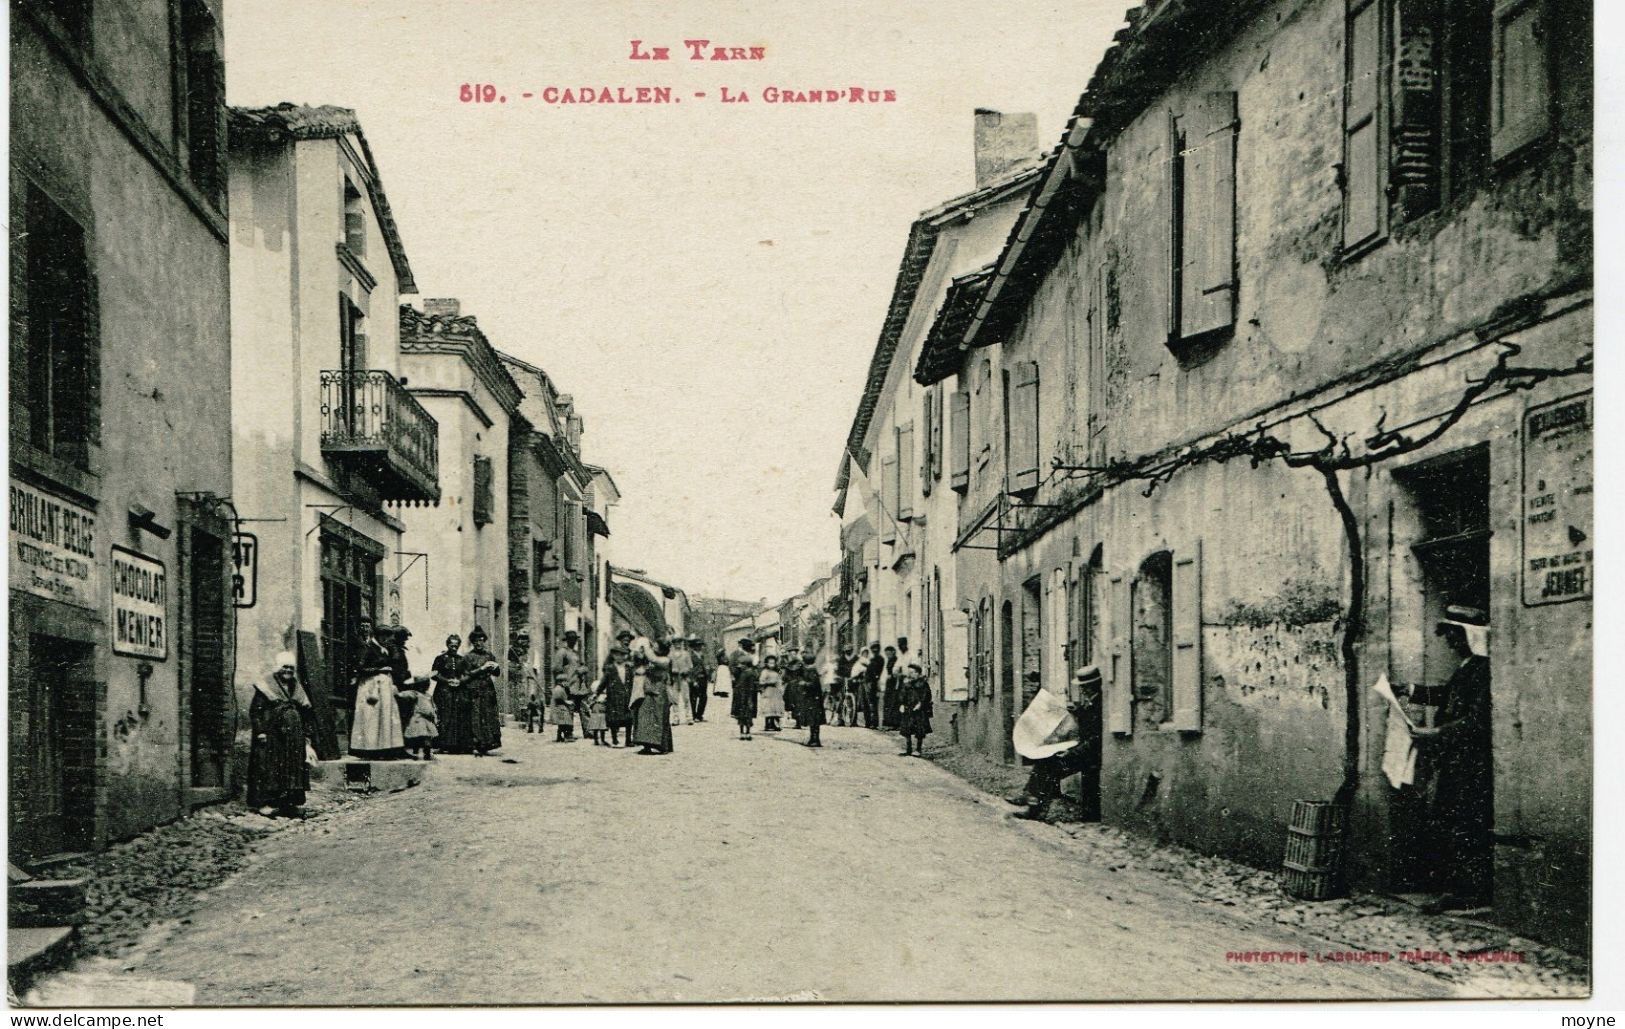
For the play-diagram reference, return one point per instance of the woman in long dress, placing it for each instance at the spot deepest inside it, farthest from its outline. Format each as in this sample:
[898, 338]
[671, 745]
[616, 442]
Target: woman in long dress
[480, 669]
[651, 720]
[375, 733]
[277, 774]
[450, 699]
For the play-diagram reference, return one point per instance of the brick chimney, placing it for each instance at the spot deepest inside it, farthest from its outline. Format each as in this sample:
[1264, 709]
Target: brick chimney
[1003, 143]
[442, 307]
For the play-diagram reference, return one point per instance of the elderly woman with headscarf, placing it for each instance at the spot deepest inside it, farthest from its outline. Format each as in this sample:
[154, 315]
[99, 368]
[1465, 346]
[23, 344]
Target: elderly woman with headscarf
[277, 776]
[375, 732]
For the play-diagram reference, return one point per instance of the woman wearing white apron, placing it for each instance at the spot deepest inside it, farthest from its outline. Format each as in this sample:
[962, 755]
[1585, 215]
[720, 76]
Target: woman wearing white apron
[375, 731]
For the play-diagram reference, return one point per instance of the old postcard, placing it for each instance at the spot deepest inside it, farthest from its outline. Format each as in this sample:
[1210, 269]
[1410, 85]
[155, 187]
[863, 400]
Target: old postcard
[1089, 504]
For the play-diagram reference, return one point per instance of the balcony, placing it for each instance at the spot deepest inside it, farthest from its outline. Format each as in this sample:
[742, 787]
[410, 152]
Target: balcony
[375, 429]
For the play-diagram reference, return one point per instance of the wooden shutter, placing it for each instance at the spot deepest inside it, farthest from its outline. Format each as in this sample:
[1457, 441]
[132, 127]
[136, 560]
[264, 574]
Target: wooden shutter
[956, 655]
[484, 494]
[930, 441]
[1208, 223]
[1520, 90]
[572, 536]
[1119, 671]
[1186, 605]
[1023, 417]
[1363, 186]
[905, 471]
[959, 445]
[936, 420]
[888, 499]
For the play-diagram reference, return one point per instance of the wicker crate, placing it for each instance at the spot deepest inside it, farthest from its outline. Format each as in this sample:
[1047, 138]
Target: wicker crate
[1314, 845]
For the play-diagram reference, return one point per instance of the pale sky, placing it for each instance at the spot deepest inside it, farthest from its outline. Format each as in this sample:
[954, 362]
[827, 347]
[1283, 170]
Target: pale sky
[707, 280]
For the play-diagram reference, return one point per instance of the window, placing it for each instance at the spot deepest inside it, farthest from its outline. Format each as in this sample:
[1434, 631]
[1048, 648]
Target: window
[355, 220]
[1434, 92]
[986, 424]
[484, 494]
[1021, 426]
[1155, 655]
[929, 459]
[352, 336]
[1202, 229]
[200, 106]
[959, 445]
[56, 352]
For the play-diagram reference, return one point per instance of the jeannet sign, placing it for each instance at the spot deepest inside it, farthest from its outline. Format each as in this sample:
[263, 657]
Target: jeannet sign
[53, 548]
[1557, 496]
[140, 605]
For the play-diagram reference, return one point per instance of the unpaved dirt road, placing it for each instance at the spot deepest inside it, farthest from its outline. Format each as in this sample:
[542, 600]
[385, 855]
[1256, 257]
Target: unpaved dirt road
[729, 870]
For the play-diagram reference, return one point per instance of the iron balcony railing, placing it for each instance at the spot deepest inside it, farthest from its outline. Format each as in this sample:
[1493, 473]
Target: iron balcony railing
[370, 421]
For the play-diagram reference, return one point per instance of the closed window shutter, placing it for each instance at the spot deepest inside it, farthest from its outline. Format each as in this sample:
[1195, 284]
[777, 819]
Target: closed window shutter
[905, 472]
[572, 536]
[959, 445]
[956, 656]
[1024, 427]
[1208, 247]
[888, 499]
[1119, 671]
[1187, 628]
[484, 500]
[1363, 187]
[1520, 92]
[930, 441]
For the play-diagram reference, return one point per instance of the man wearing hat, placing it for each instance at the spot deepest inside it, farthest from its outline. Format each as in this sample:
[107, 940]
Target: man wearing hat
[616, 687]
[682, 679]
[698, 680]
[1072, 747]
[1454, 755]
[571, 673]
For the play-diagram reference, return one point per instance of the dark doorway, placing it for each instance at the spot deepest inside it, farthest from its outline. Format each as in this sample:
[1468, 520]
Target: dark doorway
[57, 764]
[349, 575]
[206, 622]
[1007, 685]
[1449, 531]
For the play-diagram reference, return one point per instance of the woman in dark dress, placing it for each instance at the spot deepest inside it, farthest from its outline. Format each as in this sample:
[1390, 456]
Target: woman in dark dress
[651, 722]
[451, 700]
[914, 711]
[277, 775]
[480, 669]
[742, 673]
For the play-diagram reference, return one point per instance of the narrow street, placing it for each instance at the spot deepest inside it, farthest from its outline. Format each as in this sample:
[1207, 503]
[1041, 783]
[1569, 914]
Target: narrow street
[728, 871]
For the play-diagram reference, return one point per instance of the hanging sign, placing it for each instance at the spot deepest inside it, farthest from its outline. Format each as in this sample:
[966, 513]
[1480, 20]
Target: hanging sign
[140, 605]
[1557, 499]
[53, 548]
[245, 569]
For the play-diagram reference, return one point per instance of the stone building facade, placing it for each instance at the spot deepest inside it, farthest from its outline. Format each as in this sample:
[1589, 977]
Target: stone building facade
[892, 472]
[120, 702]
[458, 549]
[330, 446]
[547, 553]
[1291, 349]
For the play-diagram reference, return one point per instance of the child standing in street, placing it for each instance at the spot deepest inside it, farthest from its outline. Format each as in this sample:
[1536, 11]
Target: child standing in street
[772, 694]
[915, 711]
[597, 721]
[562, 715]
[421, 729]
